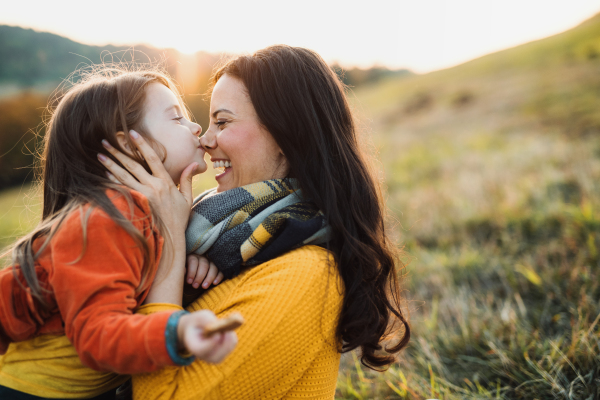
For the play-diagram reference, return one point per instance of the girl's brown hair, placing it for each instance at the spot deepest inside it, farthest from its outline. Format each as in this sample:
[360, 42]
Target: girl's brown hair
[104, 101]
[301, 102]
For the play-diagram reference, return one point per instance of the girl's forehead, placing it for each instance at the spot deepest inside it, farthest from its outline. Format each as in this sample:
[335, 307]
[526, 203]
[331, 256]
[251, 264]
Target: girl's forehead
[160, 98]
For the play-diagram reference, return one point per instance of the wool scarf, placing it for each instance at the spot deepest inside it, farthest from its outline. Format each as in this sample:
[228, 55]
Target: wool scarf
[249, 225]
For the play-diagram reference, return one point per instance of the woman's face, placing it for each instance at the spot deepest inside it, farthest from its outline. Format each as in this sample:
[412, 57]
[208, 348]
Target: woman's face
[164, 121]
[237, 142]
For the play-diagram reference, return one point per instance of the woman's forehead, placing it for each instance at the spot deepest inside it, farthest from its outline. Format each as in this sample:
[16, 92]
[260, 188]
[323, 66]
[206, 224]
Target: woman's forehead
[230, 94]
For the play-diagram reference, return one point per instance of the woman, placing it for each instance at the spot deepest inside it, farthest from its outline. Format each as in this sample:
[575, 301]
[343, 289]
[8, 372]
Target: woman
[282, 113]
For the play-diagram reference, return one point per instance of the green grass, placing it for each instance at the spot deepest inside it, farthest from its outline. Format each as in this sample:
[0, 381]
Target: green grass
[20, 209]
[503, 277]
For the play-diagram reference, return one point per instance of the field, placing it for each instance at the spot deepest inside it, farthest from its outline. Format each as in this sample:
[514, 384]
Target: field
[492, 173]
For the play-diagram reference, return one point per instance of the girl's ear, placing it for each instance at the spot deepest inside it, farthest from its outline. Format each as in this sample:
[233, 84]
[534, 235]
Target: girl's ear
[122, 140]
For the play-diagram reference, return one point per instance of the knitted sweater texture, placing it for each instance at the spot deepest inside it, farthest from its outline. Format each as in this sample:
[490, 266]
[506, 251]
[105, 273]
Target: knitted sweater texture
[287, 347]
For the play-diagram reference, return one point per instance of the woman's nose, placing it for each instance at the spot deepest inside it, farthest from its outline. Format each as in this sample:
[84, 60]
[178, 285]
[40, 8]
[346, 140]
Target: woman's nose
[208, 141]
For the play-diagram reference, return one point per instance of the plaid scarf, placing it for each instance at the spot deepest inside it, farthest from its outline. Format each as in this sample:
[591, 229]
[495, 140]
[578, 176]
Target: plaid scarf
[249, 225]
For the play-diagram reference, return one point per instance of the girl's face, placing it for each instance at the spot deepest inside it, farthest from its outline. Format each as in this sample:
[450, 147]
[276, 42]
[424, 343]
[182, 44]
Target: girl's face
[237, 141]
[164, 121]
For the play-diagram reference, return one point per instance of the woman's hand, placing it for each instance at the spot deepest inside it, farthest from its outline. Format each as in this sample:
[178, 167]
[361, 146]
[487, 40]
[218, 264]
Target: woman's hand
[190, 335]
[200, 268]
[170, 203]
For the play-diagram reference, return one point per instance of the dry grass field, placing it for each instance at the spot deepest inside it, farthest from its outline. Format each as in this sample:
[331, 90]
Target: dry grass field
[492, 171]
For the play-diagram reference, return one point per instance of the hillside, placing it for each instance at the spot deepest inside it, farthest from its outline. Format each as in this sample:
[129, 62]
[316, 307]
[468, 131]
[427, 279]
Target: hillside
[492, 170]
[551, 81]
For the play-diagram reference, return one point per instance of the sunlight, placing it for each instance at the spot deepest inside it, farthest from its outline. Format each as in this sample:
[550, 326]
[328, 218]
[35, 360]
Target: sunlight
[187, 46]
[422, 36]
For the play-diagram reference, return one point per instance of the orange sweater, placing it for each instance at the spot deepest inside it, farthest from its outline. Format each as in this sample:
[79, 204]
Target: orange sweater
[93, 295]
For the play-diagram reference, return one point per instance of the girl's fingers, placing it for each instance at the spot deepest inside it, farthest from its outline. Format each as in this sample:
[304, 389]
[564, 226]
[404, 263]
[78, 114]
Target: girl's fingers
[218, 279]
[192, 267]
[153, 160]
[223, 348]
[132, 166]
[203, 267]
[122, 176]
[213, 349]
[210, 276]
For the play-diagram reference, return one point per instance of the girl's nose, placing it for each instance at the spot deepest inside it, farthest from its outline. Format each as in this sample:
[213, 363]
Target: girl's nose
[196, 129]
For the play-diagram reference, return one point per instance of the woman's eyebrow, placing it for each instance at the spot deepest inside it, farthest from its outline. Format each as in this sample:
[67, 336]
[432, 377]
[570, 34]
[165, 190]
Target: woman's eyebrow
[220, 110]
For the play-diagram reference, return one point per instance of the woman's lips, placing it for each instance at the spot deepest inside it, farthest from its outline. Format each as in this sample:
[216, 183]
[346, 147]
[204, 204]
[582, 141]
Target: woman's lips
[222, 174]
[223, 164]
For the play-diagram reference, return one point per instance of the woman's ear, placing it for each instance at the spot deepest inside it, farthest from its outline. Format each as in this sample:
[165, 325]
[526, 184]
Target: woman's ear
[124, 143]
[284, 166]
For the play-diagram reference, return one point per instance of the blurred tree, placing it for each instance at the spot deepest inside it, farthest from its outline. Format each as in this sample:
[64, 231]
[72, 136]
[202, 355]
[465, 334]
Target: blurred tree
[20, 118]
[356, 76]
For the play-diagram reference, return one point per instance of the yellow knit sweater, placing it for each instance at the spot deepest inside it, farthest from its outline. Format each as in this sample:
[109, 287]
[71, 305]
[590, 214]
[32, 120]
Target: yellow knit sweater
[287, 348]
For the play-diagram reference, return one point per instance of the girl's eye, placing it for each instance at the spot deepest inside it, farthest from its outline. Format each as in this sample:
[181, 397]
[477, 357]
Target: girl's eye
[178, 118]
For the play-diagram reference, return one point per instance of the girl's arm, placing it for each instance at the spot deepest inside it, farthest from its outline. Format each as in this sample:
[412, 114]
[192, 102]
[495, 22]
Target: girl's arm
[21, 315]
[98, 290]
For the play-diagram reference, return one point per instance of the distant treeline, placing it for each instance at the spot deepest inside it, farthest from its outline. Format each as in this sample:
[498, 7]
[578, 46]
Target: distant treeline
[33, 59]
[356, 76]
[35, 63]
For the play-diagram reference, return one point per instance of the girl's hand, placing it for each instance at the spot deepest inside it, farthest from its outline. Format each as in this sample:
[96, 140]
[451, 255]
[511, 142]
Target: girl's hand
[171, 204]
[213, 349]
[200, 268]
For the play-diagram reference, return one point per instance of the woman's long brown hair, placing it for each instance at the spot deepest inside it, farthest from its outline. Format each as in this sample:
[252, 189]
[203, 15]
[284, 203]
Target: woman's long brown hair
[301, 102]
[104, 101]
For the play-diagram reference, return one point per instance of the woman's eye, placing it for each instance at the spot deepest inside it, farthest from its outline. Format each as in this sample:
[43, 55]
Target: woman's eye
[220, 124]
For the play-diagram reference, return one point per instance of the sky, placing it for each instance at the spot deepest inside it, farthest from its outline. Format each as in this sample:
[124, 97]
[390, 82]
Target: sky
[421, 35]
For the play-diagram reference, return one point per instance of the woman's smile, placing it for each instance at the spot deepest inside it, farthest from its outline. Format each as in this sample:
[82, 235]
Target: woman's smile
[223, 165]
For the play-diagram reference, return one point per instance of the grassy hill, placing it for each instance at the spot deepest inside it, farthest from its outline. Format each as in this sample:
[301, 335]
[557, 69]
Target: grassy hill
[492, 171]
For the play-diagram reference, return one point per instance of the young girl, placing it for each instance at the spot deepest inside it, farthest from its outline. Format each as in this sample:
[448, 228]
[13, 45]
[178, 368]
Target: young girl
[68, 303]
